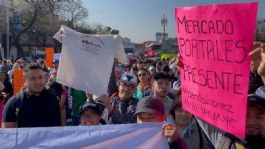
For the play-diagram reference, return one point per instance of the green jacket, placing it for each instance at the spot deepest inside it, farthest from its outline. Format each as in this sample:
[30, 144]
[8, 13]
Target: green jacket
[79, 97]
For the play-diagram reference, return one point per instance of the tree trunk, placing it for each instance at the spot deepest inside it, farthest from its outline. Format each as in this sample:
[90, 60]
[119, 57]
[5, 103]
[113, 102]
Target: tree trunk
[20, 51]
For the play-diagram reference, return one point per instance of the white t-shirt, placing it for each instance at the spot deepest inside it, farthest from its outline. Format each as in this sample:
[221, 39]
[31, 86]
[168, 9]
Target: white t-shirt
[86, 60]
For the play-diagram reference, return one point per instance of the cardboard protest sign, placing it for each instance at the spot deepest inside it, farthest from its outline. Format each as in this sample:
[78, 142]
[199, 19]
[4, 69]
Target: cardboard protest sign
[18, 80]
[49, 56]
[214, 43]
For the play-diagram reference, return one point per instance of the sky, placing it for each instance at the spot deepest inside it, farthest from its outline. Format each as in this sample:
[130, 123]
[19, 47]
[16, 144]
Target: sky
[139, 20]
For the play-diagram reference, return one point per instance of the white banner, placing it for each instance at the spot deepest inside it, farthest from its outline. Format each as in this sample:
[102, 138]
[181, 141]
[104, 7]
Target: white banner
[86, 60]
[126, 136]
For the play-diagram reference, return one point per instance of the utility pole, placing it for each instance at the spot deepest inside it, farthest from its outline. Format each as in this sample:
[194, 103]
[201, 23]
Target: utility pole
[7, 33]
[7, 30]
[35, 39]
[164, 24]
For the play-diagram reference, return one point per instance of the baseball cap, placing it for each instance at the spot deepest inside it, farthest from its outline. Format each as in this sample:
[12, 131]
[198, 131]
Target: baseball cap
[90, 106]
[129, 78]
[261, 91]
[258, 98]
[150, 104]
[152, 68]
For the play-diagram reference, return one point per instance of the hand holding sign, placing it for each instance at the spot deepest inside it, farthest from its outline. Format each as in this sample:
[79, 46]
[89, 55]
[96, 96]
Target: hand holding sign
[258, 55]
[106, 101]
[170, 132]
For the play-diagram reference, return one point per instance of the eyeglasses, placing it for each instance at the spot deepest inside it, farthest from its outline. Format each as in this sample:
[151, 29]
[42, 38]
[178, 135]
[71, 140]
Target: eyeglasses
[141, 74]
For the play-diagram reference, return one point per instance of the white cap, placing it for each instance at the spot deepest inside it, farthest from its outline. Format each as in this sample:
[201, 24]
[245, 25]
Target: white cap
[129, 77]
[261, 91]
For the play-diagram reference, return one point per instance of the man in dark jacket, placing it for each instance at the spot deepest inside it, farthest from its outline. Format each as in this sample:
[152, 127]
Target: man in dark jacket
[34, 106]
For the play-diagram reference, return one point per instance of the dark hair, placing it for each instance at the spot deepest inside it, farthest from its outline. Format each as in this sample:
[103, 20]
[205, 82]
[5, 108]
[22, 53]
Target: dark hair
[128, 66]
[165, 68]
[147, 61]
[7, 77]
[134, 68]
[159, 63]
[31, 66]
[161, 75]
[254, 83]
[143, 69]
[139, 61]
[176, 105]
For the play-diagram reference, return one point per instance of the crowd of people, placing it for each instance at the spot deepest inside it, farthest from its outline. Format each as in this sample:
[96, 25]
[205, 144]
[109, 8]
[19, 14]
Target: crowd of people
[143, 90]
